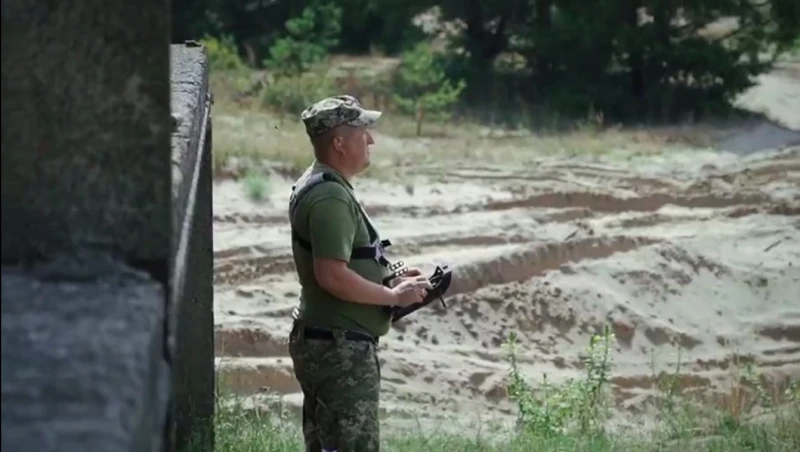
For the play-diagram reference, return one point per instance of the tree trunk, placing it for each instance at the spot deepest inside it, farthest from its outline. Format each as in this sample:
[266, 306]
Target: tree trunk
[543, 25]
[483, 46]
[635, 57]
[662, 12]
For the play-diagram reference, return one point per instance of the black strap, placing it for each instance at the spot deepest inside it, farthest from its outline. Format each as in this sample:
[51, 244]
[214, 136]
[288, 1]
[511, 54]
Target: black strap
[310, 332]
[359, 252]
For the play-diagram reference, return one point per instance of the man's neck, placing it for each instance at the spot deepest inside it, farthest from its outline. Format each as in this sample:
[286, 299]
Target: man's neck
[346, 175]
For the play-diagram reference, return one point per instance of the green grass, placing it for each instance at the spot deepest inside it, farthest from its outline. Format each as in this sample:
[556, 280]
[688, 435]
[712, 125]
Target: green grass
[569, 416]
[239, 430]
[256, 184]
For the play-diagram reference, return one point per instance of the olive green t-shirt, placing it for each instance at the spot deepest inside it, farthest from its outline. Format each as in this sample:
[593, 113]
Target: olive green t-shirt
[328, 218]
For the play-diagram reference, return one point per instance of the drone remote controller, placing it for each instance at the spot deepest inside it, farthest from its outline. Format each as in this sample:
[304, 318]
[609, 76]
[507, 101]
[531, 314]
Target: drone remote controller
[440, 280]
[398, 269]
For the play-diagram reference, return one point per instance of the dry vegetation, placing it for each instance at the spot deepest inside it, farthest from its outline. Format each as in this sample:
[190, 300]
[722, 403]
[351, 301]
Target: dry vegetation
[247, 132]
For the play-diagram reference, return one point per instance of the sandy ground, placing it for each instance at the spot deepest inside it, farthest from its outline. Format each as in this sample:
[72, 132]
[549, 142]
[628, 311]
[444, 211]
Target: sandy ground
[698, 249]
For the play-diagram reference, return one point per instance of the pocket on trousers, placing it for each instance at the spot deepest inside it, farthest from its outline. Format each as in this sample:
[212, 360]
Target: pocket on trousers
[377, 362]
[329, 430]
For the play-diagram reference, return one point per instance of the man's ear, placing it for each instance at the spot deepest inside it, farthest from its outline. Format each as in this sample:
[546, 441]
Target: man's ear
[337, 142]
[339, 139]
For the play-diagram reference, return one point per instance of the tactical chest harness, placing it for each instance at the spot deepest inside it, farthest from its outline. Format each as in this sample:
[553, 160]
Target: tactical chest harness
[375, 250]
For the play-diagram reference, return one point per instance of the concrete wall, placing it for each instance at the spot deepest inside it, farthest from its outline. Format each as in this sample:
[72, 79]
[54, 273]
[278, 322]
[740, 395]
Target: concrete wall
[192, 274]
[94, 257]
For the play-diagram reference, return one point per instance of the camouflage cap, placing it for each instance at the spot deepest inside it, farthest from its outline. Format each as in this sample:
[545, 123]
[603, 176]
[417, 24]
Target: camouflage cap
[332, 112]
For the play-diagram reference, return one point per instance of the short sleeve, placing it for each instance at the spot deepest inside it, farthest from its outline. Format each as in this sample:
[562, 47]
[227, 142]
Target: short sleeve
[332, 228]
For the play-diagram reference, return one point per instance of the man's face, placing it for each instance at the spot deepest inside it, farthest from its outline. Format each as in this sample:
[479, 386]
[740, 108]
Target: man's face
[355, 146]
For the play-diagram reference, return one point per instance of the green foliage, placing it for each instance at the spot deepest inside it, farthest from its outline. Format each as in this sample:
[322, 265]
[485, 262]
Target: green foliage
[309, 38]
[294, 57]
[564, 417]
[422, 88]
[238, 429]
[793, 393]
[222, 53]
[256, 185]
[291, 95]
[192, 19]
[577, 405]
[382, 25]
[569, 56]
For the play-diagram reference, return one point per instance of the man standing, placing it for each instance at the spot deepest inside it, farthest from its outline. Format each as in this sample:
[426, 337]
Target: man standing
[339, 259]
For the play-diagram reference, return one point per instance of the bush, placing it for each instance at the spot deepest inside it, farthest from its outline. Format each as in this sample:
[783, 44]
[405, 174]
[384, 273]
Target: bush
[576, 406]
[291, 95]
[222, 53]
[309, 38]
[294, 60]
[256, 184]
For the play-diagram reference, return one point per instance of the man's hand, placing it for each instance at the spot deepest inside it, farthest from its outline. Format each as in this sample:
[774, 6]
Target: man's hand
[334, 276]
[411, 290]
[412, 272]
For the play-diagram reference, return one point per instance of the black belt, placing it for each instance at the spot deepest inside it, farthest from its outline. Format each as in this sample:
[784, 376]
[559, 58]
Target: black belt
[319, 333]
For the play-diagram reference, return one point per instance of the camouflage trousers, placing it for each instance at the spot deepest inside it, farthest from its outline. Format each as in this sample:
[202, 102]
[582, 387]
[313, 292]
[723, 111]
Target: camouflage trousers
[340, 379]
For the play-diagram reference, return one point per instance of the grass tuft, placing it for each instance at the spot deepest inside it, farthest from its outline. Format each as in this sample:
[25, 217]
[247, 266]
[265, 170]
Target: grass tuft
[256, 184]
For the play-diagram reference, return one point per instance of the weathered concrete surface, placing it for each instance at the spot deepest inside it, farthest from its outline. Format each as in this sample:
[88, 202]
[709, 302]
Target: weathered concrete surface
[188, 98]
[83, 368]
[86, 225]
[85, 118]
[192, 275]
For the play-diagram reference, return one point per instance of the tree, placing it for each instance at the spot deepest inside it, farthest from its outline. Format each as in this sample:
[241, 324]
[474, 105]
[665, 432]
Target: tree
[383, 25]
[484, 35]
[422, 87]
[649, 59]
[309, 38]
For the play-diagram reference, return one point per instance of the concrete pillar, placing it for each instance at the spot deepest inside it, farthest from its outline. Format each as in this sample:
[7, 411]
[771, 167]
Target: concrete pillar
[86, 225]
[194, 255]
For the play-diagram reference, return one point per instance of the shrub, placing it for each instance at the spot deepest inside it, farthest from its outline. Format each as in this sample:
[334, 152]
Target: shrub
[291, 95]
[309, 38]
[222, 53]
[577, 405]
[256, 184]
